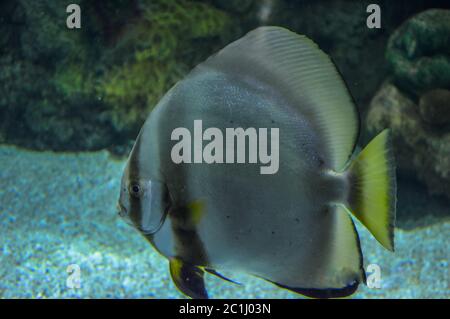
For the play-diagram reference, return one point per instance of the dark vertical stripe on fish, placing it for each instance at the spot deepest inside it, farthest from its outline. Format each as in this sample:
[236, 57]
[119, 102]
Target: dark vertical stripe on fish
[134, 176]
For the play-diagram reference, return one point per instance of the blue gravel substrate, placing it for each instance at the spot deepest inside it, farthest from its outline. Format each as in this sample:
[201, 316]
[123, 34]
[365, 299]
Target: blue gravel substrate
[59, 209]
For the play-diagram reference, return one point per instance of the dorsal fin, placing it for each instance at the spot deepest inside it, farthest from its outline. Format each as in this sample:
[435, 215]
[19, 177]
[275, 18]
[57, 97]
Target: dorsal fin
[295, 66]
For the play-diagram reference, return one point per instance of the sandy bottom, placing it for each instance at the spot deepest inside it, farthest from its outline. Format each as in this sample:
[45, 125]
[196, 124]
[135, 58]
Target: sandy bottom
[59, 209]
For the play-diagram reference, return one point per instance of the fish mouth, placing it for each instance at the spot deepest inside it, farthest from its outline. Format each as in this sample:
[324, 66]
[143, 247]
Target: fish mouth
[123, 213]
[121, 210]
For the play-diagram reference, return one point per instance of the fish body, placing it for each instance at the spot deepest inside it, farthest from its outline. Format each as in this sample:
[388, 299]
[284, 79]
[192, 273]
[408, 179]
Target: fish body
[293, 226]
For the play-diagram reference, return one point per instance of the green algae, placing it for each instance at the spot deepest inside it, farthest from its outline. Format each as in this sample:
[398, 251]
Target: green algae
[91, 88]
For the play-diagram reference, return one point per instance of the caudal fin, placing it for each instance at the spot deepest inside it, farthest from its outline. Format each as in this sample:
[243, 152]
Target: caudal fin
[372, 197]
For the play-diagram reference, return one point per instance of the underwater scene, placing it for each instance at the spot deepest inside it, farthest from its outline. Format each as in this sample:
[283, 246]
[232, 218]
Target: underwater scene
[171, 149]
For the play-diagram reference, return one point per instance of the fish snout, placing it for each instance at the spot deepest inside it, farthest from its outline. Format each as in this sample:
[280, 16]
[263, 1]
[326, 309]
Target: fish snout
[121, 210]
[123, 213]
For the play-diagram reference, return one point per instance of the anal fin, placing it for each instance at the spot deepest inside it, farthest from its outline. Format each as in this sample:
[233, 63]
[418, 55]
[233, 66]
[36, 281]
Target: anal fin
[188, 279]
[342, 268]
[324, 293]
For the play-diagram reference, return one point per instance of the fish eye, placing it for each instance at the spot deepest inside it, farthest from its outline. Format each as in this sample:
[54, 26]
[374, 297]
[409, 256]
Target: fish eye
[135, 189]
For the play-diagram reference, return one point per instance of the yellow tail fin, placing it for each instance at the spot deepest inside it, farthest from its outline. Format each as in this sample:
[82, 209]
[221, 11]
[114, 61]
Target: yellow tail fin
[372, 197]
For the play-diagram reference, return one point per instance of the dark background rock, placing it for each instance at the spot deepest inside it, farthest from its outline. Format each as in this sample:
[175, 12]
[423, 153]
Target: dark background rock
[418, 53]
[420, 150]
[414, 101]
[434, 107]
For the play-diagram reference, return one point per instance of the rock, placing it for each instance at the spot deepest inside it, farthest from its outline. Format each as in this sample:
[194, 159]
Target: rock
[415, 101]
[420, 149]
[434, 107]
[418, 52]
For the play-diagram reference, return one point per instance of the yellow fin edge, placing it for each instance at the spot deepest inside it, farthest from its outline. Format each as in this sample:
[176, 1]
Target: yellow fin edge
[372, 196]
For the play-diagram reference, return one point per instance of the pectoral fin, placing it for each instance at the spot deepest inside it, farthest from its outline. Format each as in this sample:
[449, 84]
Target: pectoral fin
[188, 279]
[215, 273]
